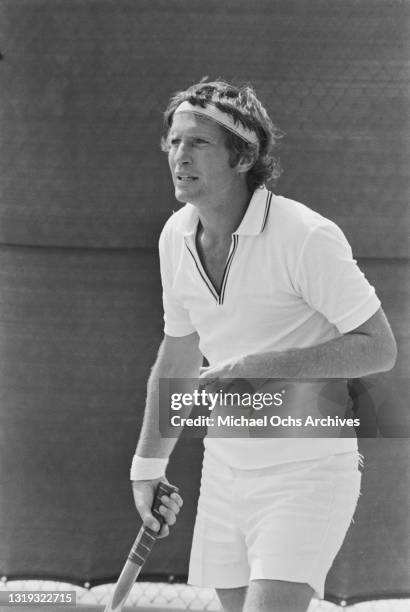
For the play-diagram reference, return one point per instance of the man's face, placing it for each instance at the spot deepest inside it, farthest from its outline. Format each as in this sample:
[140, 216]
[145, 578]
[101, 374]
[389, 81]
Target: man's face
[199, 160]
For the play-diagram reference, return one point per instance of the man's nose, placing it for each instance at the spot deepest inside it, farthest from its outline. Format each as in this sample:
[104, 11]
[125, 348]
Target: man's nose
[183, 154]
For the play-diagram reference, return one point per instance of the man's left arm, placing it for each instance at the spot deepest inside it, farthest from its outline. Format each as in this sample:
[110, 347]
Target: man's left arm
[368, 349]
[328, 279]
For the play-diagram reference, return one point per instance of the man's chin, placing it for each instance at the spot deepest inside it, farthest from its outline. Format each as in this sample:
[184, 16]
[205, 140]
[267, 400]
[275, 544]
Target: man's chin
[181, 195]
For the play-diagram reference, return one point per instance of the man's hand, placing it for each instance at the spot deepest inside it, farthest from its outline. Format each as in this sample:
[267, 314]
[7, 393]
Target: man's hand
[143, 491]
[221, 376]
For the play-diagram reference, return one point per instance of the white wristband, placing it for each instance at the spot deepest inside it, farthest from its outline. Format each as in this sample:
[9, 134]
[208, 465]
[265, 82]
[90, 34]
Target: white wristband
[147, 468]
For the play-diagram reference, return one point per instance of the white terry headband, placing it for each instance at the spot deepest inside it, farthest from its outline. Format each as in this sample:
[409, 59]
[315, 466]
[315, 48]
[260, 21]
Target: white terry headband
[211, 111]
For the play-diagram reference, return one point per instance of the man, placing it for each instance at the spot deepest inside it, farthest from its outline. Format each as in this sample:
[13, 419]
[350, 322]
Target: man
[263, 287]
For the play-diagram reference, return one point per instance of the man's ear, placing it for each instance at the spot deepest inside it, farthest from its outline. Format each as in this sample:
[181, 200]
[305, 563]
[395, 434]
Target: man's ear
[246, 162]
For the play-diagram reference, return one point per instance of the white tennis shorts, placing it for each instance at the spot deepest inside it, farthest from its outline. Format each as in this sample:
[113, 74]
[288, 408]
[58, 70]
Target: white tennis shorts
[285, 522]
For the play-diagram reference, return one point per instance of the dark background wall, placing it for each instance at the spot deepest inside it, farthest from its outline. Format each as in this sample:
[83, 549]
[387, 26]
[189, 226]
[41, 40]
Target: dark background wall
[84, 191]
[83, 86]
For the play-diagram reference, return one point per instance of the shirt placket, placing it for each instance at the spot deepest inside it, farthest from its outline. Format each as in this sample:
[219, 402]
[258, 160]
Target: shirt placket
[218, 296]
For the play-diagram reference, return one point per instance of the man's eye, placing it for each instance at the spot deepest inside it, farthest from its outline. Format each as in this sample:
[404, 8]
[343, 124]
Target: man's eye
[174, 141]
[200, 141]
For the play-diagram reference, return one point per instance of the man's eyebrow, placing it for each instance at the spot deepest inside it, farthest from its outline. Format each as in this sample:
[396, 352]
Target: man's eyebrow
[195, 133]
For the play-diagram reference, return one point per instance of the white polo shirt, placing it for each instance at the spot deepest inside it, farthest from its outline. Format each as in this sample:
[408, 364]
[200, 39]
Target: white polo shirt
[290, 281]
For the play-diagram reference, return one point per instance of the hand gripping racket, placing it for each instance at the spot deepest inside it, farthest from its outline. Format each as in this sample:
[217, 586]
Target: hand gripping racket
[139, 553]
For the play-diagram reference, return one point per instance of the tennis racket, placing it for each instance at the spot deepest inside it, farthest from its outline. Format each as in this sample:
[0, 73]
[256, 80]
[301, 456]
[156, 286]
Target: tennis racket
[139, 553]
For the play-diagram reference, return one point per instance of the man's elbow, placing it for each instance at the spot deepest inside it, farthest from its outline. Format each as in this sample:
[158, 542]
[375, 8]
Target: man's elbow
[387, 352]
[379, 346]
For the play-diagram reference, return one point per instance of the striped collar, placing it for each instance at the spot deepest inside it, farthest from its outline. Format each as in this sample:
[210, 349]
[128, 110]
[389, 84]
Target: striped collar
[254, 219]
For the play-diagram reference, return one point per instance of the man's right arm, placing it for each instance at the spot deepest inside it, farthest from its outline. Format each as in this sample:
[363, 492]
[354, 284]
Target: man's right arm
[178, 357]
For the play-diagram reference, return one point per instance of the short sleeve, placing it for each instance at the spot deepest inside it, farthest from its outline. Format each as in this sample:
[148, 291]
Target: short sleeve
[330, 280]
[176, 318]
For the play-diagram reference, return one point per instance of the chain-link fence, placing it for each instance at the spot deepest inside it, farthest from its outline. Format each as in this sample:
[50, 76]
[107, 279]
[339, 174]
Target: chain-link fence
[174, 597]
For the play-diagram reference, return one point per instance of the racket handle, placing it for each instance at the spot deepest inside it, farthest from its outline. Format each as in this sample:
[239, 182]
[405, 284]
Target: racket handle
[146, 538]
[139, 552]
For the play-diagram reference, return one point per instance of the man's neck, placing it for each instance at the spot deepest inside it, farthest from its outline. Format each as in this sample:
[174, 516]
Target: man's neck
[218, 220]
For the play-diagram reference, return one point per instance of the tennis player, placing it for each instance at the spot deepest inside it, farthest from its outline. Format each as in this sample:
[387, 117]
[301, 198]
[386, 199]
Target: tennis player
[261, 286]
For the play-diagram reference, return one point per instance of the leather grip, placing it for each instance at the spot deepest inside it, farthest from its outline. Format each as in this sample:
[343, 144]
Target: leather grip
[146, 538]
